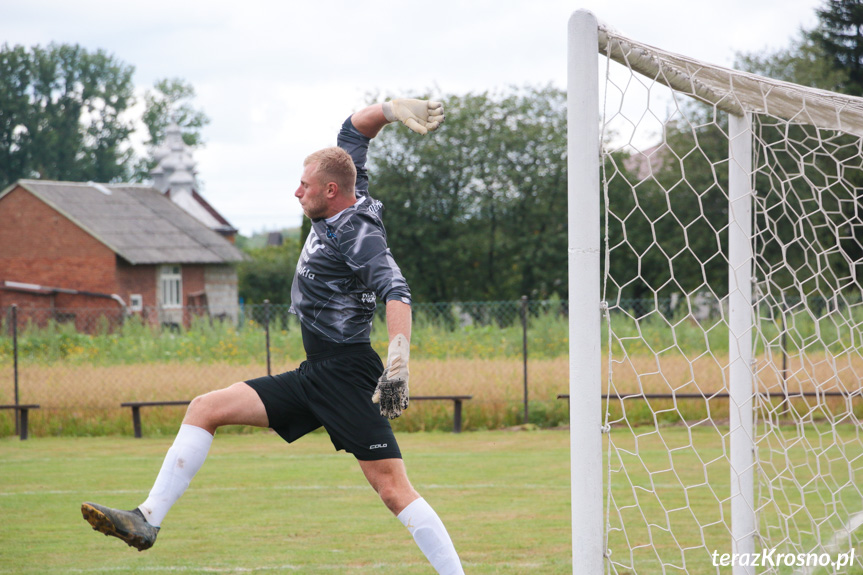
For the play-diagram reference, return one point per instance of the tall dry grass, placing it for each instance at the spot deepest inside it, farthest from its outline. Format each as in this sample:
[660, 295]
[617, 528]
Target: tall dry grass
[85, 399]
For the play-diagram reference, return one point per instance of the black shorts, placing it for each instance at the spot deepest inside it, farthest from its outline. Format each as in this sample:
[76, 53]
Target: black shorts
[333, 390]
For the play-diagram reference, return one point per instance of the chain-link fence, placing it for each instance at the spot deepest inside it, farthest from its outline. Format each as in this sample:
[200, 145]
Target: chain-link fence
[79, 365]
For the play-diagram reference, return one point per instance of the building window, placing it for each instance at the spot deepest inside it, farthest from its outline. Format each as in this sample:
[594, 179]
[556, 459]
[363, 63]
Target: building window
[171, 286]
[136, 302]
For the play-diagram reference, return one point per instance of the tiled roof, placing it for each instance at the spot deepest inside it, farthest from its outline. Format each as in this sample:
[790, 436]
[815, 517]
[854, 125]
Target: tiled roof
[137, 222]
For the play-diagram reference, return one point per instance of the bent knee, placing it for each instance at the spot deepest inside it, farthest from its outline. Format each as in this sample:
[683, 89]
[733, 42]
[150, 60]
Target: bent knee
[201, 412]
[203, 403]
[210, 409]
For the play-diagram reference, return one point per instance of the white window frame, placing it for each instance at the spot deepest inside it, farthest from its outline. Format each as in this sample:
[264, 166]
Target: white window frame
[171, 286]
[136, 302]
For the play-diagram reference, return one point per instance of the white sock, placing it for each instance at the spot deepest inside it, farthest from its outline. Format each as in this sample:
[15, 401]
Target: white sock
[182, 462]
[431, 537]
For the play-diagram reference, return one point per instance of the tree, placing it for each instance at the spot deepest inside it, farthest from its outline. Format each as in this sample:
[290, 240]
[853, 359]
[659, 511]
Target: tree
[804, 62]
[170, 100]
[840, 37]
[64, 115]
[666, 225]
[60, 114]
[477, 210]
[15, 73]
[828, 57]
[269, 272]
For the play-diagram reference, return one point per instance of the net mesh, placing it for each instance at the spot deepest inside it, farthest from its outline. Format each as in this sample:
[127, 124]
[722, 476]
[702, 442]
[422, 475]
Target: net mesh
[666, 231]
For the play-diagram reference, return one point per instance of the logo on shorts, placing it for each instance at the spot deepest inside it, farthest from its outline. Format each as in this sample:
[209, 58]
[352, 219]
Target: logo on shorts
[378, 446]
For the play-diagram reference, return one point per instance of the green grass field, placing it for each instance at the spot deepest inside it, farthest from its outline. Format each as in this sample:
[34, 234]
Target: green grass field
[261, 506]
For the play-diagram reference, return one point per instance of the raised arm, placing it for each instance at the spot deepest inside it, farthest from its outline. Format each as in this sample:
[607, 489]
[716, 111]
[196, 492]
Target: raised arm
[370, 120]
[421, 116]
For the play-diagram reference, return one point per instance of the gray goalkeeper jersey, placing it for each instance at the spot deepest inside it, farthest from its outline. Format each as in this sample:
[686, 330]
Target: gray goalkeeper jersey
[346, 265]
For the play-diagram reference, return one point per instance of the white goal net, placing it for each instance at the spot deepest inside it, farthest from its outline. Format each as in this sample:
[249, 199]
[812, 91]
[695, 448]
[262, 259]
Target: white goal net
[730, 268]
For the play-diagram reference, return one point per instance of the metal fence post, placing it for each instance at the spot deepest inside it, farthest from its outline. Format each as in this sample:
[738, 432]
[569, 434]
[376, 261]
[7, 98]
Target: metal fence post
[524, 351]
[267, 330]
[15, 365]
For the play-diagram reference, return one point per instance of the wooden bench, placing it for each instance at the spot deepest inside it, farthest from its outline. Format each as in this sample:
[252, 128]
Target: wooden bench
[136, 411]
[457, 401]
[137, 405]
[23, 423]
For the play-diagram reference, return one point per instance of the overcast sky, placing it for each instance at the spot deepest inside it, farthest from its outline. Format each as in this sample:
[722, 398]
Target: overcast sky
[277, 78]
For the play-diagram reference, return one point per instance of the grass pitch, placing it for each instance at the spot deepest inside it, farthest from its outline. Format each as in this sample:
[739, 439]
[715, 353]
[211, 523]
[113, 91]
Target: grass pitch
[262, 506]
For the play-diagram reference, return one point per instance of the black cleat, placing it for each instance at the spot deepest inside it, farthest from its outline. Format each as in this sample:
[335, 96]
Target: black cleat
[130, 526]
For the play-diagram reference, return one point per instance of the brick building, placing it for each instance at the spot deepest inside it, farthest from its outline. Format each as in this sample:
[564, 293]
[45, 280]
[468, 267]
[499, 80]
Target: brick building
[67, 247]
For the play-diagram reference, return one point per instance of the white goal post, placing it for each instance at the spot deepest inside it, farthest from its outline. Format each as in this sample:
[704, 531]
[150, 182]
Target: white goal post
[716, 315]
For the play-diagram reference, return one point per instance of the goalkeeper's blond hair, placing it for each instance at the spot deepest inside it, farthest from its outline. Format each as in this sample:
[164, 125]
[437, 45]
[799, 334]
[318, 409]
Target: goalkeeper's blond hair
[334, 165]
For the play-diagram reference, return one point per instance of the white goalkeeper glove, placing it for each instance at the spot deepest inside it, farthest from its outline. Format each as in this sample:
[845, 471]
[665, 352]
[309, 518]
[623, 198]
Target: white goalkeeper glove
[421, 116]
[392, 392]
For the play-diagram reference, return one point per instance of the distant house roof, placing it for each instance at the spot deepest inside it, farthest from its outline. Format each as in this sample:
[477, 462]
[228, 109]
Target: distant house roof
[196, 205]
[175, 176]
[137, 222]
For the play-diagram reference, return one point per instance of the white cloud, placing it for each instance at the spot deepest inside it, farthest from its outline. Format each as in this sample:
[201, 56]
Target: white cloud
[278, 78]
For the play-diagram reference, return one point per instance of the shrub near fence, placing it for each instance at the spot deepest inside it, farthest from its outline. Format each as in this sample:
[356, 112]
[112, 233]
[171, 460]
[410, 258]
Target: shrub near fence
[80, 378]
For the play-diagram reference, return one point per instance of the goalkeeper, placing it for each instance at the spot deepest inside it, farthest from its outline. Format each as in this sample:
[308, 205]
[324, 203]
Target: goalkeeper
[344, 267]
